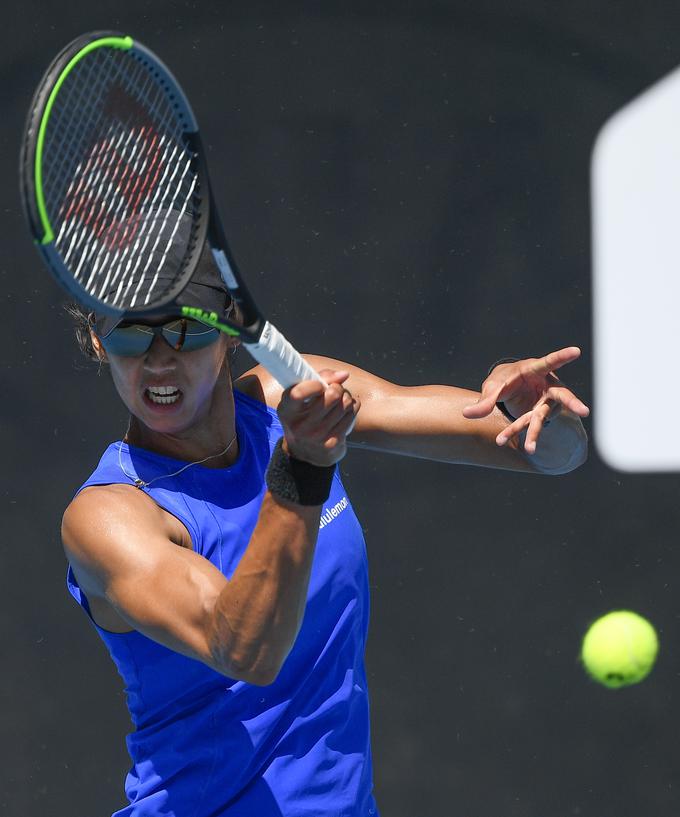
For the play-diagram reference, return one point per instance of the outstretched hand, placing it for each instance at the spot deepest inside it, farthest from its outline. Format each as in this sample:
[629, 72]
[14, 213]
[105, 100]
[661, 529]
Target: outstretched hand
[531, 392]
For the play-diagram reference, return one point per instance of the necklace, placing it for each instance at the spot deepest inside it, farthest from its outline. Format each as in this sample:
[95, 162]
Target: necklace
[140, 483]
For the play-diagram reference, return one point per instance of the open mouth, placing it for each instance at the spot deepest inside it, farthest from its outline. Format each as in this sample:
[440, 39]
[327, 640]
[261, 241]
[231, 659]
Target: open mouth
[162, 395]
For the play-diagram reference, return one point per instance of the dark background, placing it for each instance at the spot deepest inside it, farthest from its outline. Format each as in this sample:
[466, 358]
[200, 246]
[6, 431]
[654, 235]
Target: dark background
[406, 185]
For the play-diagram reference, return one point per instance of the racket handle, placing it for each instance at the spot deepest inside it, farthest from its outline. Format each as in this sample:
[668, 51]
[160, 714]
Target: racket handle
[280, 358]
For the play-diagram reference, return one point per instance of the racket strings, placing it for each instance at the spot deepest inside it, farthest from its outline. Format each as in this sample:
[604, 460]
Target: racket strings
[149, 235]
[94, 184]
[79, 107]
[123, 246]
[106, 197]
[123, 182]
[107, 194]
[173, 224]
[87, 91]
[77, 112]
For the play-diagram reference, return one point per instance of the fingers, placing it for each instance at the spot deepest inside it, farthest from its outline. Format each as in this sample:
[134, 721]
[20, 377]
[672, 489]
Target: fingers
[502, 381]
[533, 421]
[513, 429]
[554, 360]
[524, 382]
[317, 417]
[484, 406]
[536, 422]
[319, 399]
[308, 390]
[491, 392]
[563, 396]
[337, 434]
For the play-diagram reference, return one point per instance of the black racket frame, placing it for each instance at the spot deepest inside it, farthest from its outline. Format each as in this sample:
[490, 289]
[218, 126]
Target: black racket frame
[207, 225]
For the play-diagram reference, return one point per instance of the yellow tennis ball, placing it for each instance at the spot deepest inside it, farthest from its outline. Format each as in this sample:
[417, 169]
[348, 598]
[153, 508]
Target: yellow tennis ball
[620, 649]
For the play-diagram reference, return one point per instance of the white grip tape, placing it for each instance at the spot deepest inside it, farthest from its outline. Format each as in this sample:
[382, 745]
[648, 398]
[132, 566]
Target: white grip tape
[280, 359]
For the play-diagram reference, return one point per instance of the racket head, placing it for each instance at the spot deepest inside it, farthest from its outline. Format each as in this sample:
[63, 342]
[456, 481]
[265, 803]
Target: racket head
[112, 177]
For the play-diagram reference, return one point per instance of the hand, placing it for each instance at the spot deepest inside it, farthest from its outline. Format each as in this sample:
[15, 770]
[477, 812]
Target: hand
[531, 392]
[317, 418]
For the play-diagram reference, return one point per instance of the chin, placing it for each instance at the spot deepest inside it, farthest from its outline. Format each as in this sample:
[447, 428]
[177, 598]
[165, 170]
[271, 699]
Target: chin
[164, 421]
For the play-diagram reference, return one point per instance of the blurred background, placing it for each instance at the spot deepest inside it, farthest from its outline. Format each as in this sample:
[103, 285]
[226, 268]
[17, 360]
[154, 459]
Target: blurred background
[406, 187]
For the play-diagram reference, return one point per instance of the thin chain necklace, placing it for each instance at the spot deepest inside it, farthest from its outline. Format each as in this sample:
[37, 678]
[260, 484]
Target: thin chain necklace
[140, 483]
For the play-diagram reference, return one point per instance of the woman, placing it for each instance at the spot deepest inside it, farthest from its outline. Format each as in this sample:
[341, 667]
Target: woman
[217, 554]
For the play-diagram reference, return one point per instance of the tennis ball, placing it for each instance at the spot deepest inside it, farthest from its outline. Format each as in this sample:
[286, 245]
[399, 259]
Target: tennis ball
[619, 649]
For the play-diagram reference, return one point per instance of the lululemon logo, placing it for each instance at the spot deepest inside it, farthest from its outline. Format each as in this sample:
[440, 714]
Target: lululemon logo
[329, 514]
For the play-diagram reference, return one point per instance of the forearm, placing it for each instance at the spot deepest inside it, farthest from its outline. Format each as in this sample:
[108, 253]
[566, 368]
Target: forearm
[428, 422]
[258, 613]
[257, 616]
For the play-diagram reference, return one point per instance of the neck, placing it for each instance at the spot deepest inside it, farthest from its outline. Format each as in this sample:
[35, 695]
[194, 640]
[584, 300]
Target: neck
[212, 436]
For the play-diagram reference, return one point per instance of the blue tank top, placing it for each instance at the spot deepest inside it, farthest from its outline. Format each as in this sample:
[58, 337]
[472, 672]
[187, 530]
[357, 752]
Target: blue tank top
[205, 745]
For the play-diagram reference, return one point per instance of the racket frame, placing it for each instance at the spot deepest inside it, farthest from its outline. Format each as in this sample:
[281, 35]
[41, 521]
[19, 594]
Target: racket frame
[261, 338]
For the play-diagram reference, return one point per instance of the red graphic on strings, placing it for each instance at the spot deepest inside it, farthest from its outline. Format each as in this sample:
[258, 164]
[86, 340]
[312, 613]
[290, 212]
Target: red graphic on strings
[112, 186]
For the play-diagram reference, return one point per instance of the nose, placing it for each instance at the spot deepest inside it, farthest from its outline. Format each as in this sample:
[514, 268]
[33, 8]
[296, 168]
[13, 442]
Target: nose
[160, 353]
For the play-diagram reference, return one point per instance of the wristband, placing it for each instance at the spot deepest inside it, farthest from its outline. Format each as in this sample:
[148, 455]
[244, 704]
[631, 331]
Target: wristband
[502, 360]
[504, 411]
[297, 481]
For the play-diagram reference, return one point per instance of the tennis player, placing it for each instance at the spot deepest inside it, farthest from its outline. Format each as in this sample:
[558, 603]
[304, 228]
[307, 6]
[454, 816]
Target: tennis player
[216, 552]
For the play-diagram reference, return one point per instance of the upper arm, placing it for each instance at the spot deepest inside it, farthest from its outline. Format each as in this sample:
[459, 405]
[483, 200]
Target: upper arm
[120, 547]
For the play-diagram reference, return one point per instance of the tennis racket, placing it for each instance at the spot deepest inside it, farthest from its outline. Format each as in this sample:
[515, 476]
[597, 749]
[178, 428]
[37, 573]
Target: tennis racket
[113, 175]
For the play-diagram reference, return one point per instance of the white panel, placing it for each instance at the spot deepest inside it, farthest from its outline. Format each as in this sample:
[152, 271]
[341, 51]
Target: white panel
[636, 260]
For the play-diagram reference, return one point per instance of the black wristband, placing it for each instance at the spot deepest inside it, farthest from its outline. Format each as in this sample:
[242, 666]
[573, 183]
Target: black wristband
[501, 406]
[297, 481]
[502, 360]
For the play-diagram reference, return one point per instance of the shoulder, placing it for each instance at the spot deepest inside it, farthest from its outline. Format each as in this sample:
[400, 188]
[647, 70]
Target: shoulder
[105, 503]
[102, 521]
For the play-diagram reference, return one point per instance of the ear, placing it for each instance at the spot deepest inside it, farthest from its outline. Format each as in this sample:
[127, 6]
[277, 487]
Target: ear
[230, 342]
[99, 350]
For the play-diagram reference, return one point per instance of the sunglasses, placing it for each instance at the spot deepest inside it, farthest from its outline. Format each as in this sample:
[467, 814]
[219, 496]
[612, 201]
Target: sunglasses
[182, 334]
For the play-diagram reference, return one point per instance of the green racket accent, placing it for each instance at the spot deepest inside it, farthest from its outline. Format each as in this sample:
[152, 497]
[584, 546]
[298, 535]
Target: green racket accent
[113, 42]
[209, 319]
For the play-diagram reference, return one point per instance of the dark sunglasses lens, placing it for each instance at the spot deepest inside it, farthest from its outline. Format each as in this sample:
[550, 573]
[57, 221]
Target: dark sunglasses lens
[196, 335]
[128, 341]
[132, 341]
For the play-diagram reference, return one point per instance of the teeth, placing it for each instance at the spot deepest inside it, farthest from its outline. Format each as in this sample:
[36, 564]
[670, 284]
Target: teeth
[163, 389]
[157, 399]
[163, 394]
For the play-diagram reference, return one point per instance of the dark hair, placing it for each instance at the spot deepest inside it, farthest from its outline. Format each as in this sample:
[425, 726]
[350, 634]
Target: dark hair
[83, 321]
